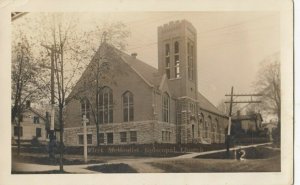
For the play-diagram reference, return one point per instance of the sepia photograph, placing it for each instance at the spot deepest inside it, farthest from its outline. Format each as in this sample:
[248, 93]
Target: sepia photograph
[149, 92]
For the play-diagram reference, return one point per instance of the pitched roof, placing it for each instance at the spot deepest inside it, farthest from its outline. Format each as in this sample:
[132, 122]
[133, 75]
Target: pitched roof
[147, 72]
[36, 112]
[150, 74]
[205, 104]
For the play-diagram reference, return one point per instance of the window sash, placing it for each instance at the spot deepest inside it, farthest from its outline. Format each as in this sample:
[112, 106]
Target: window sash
[105, 100]
[101, 137]
[110, 138]
[38, 132]
[166, 108]
[123, 137]
[133, 136]
[89, 138]
[128, 111]
[16, 131]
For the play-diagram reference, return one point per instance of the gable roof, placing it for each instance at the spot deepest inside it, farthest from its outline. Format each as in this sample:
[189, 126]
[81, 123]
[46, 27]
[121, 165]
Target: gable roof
[36, 112]
[205, 104]
[150, 75]
[144, 70]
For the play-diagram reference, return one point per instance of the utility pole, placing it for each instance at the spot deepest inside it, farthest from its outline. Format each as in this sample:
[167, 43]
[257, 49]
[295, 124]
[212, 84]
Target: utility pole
[85, 120]
[52, 68]
[228, 138]
[229, 123]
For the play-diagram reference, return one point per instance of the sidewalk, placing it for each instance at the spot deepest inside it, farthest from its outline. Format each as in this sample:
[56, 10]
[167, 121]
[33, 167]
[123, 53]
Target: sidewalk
[29, 167]
[195, 154]
[140, 164]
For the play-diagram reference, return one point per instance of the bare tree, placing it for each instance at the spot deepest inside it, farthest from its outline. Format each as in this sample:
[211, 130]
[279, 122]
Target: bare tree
[73, 49]
[25, 78]
[58, 35]
[98, 73]
[58, 32]
[268, 84]
[224, 107]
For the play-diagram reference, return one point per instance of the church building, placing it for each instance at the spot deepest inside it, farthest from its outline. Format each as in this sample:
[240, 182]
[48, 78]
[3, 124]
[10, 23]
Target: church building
[135, 103]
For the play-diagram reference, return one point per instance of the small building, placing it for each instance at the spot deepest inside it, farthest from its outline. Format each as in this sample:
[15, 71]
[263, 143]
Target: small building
[32, 125]
[247, 124]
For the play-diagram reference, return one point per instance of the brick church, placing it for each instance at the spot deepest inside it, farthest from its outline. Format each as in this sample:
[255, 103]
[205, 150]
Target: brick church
[135, 103]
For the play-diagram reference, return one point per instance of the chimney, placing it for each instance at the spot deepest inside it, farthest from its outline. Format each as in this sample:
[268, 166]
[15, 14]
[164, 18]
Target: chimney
[27, 103]
[133, 55]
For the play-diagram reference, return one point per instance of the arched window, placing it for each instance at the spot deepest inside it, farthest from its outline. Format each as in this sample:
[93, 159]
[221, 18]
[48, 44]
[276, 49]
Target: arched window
[190, 52]
[105, 105]
[85, 108]
[128, 111]
[176, 60]
[208, 127]
[216, 125]
[200, 123]
[167, 58]
[165, 107]
[176, 47]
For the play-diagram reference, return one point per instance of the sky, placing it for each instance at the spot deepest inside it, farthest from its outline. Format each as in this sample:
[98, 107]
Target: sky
[230, 45]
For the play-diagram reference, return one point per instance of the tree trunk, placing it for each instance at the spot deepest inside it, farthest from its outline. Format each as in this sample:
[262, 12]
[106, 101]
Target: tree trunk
[19, 134]
[61, 146]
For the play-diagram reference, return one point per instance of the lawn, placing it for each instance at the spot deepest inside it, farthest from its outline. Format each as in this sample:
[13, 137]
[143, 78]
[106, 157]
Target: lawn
[44, 160]
[219, 165]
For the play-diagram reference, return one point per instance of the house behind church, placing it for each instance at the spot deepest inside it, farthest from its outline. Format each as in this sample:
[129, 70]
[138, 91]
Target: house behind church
[32, 125]
[139, 104]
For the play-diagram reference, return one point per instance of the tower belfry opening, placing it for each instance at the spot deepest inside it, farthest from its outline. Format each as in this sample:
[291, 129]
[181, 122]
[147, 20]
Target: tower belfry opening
[177, 44]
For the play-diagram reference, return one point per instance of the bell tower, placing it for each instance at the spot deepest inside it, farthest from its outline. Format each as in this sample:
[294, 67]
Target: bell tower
[177, 58]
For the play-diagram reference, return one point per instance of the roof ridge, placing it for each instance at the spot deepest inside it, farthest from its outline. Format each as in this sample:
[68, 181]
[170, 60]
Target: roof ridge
[128, 55]
[36, 112]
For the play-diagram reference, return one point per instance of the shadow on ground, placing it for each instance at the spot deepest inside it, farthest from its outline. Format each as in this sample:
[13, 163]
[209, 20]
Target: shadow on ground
[112, 168]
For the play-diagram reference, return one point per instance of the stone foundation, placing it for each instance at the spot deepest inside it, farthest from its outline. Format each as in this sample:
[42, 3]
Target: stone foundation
[147, 132]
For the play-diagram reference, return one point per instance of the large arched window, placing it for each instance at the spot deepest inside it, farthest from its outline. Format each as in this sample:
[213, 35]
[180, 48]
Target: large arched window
[128, 111]
[166, 107]
[176, 60]
[105, 105]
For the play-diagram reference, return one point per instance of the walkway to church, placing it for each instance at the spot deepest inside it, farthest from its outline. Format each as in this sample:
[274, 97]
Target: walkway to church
[141, 165]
